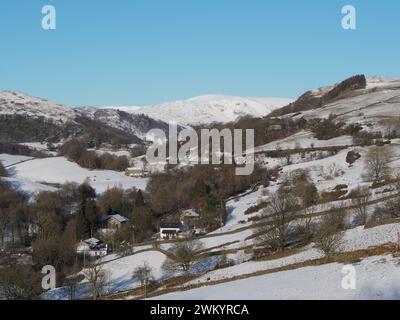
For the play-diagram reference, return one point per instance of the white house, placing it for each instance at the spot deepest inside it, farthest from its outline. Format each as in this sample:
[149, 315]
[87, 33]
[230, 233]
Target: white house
[92, 248]
[136, 172]
[170, 230]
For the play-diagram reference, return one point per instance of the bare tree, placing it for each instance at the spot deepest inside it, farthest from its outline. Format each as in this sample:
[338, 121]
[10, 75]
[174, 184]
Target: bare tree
[19, 283]
[184, 253]
[307, 226]
[144, 273]
[377, 162]
[362, 197]
[98, 278]
[276, 232]
[329, 237]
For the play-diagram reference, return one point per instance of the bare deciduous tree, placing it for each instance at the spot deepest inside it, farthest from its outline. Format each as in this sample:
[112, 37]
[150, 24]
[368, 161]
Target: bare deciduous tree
[360, 202]
[144, 273]
[19, 283]
[377, 162]
[276, 232]
[329, 236]
[307, 225]
[184, 255]
[98, 278]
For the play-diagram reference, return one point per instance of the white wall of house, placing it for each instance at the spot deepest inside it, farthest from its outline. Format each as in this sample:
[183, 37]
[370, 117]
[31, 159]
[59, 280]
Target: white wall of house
[165, 236]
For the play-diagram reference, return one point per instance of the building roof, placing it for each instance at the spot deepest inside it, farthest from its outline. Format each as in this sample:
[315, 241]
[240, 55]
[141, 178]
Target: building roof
[116, 217]
[169, 231]
[92, 241]
[189, 214]
[166, 225]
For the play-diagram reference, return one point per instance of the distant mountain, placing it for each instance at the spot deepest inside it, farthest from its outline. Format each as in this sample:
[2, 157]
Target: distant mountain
[28, 119]
[209, 108]
[24, 118]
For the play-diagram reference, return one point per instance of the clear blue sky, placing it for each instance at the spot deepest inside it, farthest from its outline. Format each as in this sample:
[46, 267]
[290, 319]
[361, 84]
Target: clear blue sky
[136, 52]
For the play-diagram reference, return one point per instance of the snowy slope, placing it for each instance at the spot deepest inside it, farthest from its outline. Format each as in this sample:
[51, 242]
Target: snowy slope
[12, 103]
[379, 101]
[209, 108]
[10, 159]
[376, 278]
[27, 186]
[60, 170]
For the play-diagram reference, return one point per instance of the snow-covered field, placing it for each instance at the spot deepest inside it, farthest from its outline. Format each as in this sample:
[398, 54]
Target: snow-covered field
[28, 186]
[60, 170]
[9, 159]
[376, 278]
[354, 239]
[121, 270]
[304, 140]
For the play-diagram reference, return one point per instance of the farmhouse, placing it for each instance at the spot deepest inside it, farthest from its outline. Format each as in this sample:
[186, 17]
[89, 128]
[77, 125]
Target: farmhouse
[92, 248]
[115, 221]
[136, 172]
[190, 218]
[170, 230]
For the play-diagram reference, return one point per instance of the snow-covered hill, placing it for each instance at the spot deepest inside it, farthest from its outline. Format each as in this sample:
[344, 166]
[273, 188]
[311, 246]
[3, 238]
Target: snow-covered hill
[12, 103]
[209, 108]
[134, 121]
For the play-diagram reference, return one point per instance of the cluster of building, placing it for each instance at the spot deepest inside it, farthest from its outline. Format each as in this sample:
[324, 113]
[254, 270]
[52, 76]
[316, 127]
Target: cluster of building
[188, 225]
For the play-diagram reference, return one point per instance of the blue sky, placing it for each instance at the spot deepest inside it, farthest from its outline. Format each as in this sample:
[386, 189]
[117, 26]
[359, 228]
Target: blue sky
[137, 52]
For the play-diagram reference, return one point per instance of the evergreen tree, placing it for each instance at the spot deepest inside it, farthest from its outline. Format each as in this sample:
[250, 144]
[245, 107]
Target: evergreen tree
[92, 216]
[139, 202]
[82, 225]
[86, 192]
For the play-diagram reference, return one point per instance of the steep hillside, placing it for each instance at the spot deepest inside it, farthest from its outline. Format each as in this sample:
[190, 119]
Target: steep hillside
[28, 119]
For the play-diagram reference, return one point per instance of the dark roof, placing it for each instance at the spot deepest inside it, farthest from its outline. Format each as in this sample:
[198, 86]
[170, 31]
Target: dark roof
[116, 217]
[165, 225]
[170, 231]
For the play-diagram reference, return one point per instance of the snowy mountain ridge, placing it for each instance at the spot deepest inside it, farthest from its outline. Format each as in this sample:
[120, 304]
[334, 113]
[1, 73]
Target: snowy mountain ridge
[207, 109]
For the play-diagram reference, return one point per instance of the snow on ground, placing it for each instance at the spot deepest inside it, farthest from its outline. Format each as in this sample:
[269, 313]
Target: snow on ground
[118, 153]
[10, 159]
[236, 211]
[254, 266]
[376, 278]
[304, 140]
[27, 186]
[120, 275]
[121, 270]
[366, 107]
[332, 171]
[360, 238]
[216, 241]
[20, 103]
[354, 239]
[60, 170]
